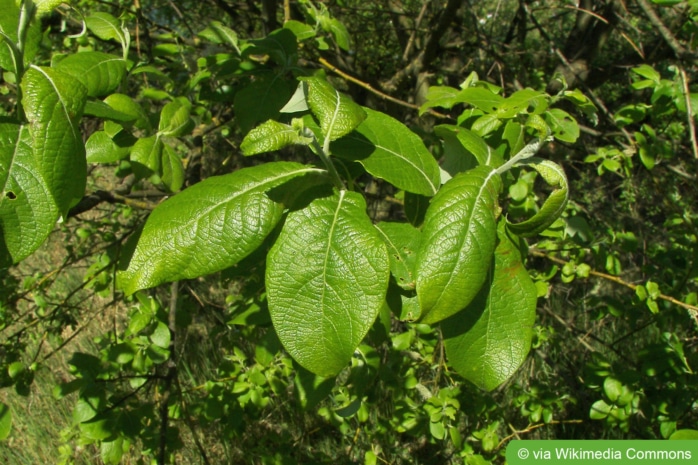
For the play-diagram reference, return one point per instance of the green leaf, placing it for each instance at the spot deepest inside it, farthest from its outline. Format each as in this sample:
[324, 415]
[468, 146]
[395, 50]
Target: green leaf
[107, 27]
[53, 102]
[99, 72]
[482, 98]
[403, 242]
[104, 111]
[683, 434]
[458, 239]
[101, 148]
[526, 101]
[489, 340]
[46, 6]
[161, 336]
[28, 212]
[472, 143]
[327, 277]
[9, 24]
[126, 105]
[146, 156]
[389, 150]
[261, 100]
[171, 169]
[175, 120]
[600, 410]
[612, 388]
[553, 206]
[271, 136]
[5, 421]
[217, 33]
[111, 452]
[562, 125]
[207, 227]
[301, 30]
[280, 45]
[340, 34]
[337, 113]
[440, 96]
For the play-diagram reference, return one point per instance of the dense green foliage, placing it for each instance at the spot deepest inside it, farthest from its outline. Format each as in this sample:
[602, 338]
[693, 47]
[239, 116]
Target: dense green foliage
[345, 232]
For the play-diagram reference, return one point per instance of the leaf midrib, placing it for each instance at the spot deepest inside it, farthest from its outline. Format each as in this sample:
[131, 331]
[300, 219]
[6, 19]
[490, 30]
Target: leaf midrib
[157, 248]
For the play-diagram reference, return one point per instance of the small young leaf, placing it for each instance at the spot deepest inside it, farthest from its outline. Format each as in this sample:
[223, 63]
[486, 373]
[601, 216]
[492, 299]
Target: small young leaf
[175, 120]
[271, 136]
[207, 227]
[459, 236]
[171, 169]
[403, 242]
[473, 144]
[125, 104]
[562, 125]
[487, 342]
[146, 156]
[5, 421]
[553, 206]
[107, 27]
[101, 148]
[327, 277]
[337, 113]
[390, 151]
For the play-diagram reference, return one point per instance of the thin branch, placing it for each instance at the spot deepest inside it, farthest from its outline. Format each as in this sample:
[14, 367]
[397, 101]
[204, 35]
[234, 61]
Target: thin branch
[418, 21]
[375, 91]
[530, 428]
[689, 112]
[692, 309]
[287, 11]
[666, 34]
[170, 376]
[592, 95]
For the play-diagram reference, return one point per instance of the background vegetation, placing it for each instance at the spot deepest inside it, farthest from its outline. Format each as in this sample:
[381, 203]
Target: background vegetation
[614, 344]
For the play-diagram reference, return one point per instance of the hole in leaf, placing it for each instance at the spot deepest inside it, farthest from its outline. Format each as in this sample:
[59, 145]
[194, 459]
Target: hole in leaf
[10, 195]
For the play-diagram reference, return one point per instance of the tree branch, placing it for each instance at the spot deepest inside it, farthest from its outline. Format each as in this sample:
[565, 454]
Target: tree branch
[692, 309]
[666, 34]
[375, 91]
[170, 376]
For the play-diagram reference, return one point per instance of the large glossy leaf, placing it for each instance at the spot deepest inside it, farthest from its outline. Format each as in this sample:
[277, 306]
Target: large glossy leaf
[27, 209]
[489, 340]
[99, 72]
[327, 277]
[207, 227]
[53, 102]
[337, 113]
[458, 239]
[553, 206]
[390, 151]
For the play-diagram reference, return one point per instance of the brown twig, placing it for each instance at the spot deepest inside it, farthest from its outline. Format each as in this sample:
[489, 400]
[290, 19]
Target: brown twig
[692, 309]
[418, 21]
[375, 91]
[530, 428]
